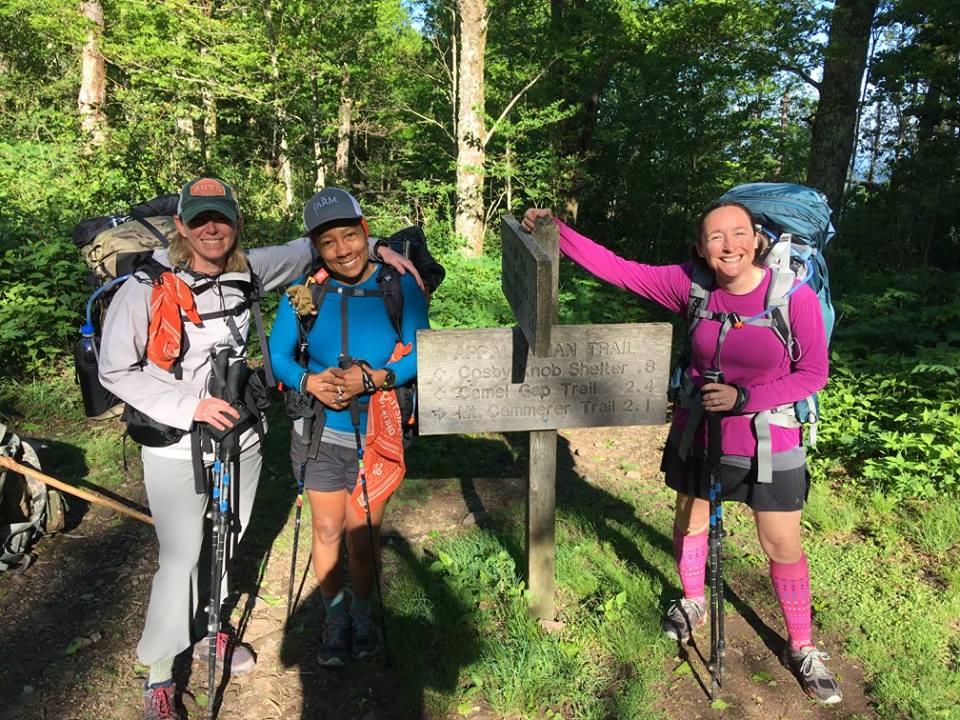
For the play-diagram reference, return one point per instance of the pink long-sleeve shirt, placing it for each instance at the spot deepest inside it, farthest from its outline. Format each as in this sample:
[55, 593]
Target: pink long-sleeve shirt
[751, 357]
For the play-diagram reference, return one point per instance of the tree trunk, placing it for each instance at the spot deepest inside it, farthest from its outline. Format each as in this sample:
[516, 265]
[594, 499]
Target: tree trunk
[834, 127]
[471, 125]
[875, 145]
[784, 129]
[283, 155]
[342, 162]
[319, 164]
[208, 123]
[93, 76]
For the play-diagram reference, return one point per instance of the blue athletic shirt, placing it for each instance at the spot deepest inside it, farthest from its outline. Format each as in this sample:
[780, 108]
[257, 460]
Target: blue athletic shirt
[370, 337]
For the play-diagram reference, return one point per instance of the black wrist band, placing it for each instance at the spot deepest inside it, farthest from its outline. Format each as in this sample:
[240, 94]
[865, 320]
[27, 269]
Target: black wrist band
[743, 395]
[376, 249]
[368, 385]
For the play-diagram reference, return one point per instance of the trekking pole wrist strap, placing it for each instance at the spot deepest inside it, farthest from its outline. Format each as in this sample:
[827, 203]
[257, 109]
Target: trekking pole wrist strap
[369, 386]
[743, 397]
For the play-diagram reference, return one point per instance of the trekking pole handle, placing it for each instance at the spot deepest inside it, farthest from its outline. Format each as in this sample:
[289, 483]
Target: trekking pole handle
[713, 375]
[345, 362]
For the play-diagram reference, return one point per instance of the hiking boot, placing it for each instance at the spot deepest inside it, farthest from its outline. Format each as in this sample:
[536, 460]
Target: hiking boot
[682, 618]
[335, 642]
[241, 658]
[365, 640]
[807, 664]
[158, 702]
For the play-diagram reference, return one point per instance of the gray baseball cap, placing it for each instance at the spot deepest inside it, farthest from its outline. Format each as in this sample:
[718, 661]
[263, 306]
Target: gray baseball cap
[330, 205]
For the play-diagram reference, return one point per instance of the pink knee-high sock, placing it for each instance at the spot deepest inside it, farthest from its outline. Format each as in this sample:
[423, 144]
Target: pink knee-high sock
[791, 583]
[691, 554]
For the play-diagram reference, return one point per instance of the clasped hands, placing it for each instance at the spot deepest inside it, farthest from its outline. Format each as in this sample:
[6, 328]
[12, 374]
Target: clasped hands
[335, 387]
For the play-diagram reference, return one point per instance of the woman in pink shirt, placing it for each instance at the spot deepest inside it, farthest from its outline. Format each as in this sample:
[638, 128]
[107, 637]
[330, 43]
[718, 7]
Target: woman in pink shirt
[760, 373]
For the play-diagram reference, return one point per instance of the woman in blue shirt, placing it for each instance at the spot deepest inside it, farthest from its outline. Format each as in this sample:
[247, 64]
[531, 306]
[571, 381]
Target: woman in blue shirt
[341, 365]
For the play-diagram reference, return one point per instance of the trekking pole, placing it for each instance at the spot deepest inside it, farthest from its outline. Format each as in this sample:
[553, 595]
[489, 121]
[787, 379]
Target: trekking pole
[714, 453]
[305, 441]
[220, 512]
[345, 362]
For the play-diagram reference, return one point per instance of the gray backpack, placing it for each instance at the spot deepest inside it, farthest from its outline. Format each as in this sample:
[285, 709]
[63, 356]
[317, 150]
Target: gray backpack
[28, 508]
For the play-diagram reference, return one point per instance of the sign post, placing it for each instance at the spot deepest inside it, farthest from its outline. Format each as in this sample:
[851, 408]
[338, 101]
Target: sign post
[539, 377]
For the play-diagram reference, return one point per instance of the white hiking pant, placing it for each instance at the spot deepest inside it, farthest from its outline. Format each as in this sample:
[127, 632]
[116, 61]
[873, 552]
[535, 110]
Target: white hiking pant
[178, 513]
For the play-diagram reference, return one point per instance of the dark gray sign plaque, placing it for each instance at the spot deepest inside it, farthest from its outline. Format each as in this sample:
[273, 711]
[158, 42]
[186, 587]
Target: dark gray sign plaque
[594, 376]
[528, 278]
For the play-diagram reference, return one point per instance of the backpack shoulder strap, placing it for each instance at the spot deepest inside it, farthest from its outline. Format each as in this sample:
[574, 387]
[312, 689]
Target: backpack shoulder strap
[701, 284]
[782, 279]
[153, 269]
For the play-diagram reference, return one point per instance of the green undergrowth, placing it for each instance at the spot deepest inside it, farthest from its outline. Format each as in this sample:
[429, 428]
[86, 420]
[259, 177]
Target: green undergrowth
[600, 663]
[886, 580]
[892, 408]
[48, 408]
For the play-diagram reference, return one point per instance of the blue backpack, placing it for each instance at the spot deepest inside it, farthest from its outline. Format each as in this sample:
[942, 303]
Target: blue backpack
[796, 219]
[799, 218]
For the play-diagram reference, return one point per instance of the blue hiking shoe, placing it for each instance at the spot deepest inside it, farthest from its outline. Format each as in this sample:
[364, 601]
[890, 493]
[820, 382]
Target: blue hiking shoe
[365, 641]
[335, 641]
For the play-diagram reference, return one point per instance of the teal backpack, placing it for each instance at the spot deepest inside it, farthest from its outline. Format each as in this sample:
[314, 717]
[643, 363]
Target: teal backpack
[796, 220]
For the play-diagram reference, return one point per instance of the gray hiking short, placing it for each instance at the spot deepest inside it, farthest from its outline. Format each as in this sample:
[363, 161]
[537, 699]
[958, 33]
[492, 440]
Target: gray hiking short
[335, 468]
[787, 492]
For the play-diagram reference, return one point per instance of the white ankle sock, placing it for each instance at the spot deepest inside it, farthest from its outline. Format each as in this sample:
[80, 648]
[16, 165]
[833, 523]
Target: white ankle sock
[161, 671]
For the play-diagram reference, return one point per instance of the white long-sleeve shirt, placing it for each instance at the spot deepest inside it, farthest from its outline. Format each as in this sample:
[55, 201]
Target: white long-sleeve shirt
[124, 369]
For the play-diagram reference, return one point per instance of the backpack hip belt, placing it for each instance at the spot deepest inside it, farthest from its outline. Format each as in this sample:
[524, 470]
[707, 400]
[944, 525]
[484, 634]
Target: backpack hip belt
[689, 398]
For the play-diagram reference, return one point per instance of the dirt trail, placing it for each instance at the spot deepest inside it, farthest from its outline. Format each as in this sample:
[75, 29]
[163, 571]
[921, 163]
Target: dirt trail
[69, 623]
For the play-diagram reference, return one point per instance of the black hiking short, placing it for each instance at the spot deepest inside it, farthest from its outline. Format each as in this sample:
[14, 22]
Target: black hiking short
[787, 492]
[335, 468]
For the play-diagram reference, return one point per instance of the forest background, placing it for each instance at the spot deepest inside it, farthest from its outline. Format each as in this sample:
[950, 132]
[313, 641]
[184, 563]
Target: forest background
[629, 116]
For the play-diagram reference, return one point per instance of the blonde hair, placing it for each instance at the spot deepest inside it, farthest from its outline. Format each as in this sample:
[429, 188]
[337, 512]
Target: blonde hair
[180, 253]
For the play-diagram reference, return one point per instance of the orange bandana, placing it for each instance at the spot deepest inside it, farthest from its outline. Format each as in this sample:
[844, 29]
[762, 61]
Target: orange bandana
[383, 462]
[165, 336]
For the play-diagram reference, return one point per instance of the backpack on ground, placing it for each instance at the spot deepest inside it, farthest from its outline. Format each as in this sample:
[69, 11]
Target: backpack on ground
[796, 220]
[412, 244]
[28, 508]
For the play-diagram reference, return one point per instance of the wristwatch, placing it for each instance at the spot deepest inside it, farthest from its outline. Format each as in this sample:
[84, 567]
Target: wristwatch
[389, 380]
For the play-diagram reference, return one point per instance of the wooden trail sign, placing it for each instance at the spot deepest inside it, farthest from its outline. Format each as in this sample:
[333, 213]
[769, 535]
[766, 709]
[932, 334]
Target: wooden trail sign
[593, 376]
[529, 278]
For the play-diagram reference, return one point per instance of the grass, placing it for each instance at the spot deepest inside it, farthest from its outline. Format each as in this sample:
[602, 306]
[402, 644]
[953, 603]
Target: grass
[49, 407]
[885, 578]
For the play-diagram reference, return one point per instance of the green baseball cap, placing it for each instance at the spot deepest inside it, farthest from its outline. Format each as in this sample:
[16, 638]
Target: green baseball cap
[206, 193]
